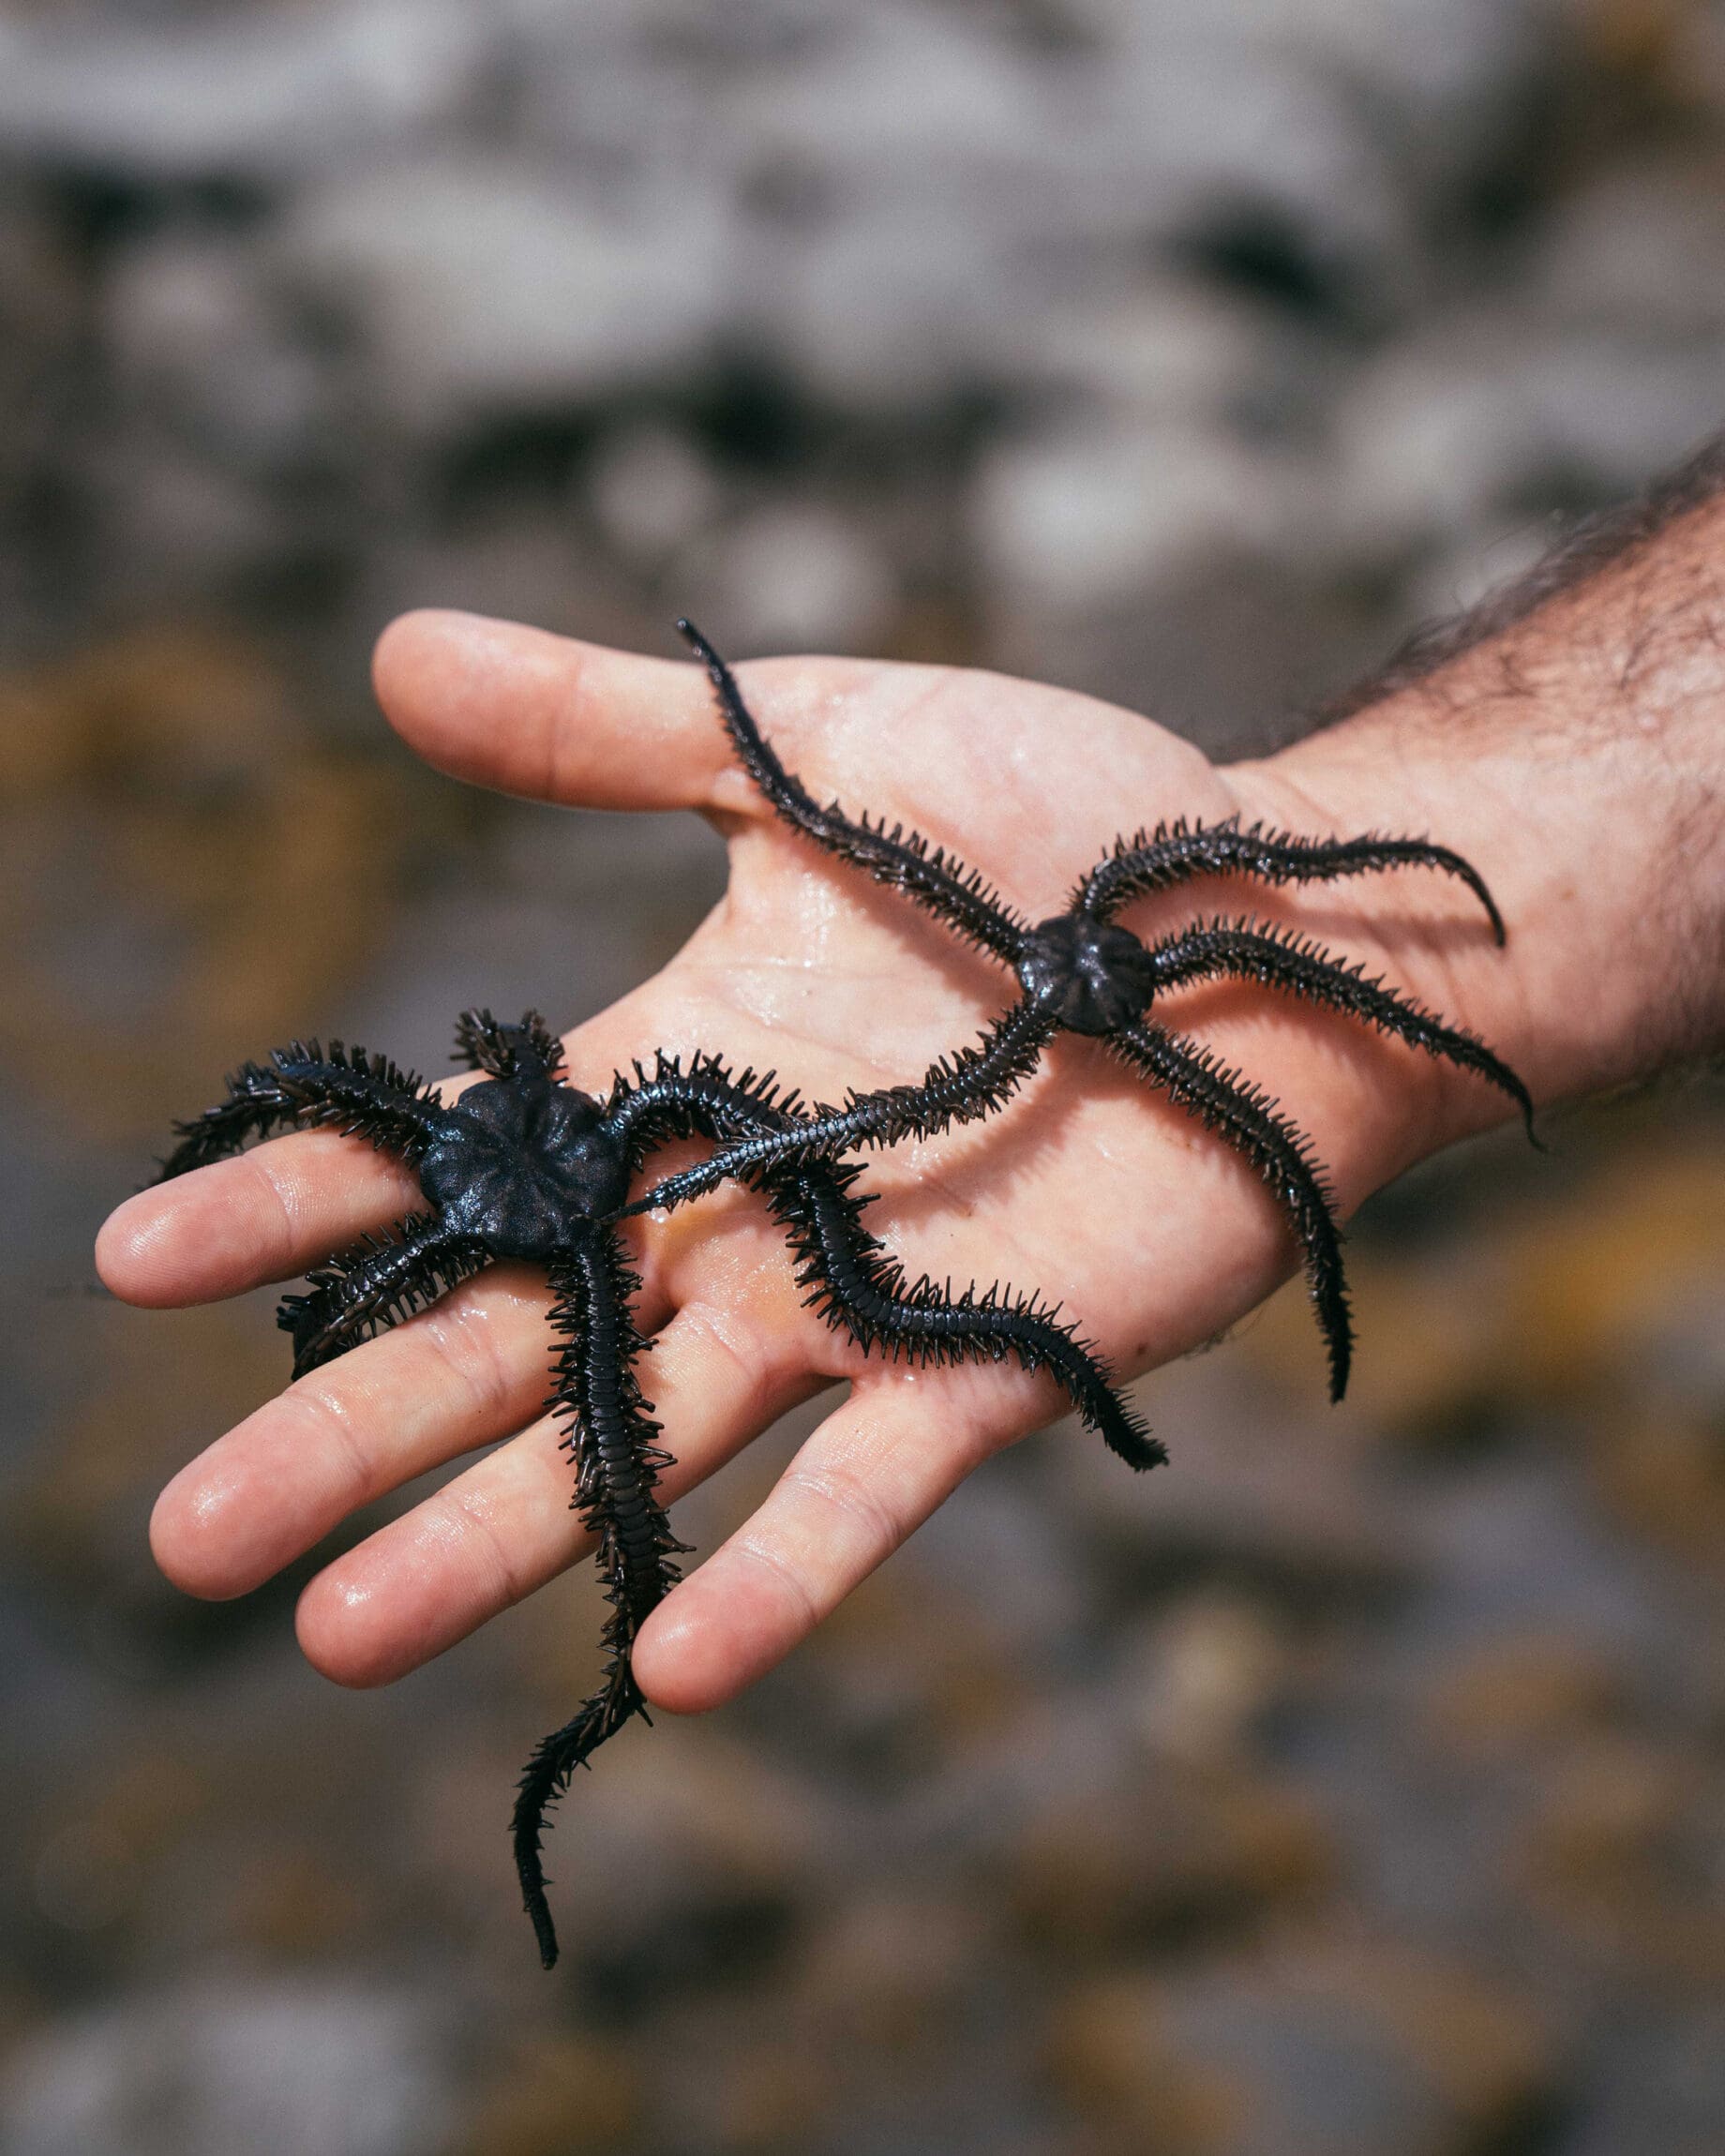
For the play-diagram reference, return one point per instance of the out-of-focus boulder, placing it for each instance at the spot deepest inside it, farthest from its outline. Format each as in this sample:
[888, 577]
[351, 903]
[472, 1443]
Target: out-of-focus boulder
[483, 285]
[794, 576]
[269, 93]
[298, 2068]
[1337, 2050]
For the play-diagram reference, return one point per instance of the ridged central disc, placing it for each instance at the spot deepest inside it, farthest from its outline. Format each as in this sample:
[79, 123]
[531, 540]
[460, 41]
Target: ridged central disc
[1089, 974]
[522, 1166]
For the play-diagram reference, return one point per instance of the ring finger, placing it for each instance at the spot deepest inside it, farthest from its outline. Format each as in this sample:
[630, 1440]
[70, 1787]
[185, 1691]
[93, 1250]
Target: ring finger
[718, 1375]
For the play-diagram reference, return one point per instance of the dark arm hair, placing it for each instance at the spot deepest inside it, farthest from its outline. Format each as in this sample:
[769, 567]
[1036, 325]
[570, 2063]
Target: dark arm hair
[1610, 537]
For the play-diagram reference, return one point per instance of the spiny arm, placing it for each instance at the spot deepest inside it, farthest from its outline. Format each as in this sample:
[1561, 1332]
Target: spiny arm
[373, 1286]
[1282, 959]
[486, 1043]
[862, 1292]
[1177, 853]
[900, 858]
[613, 1441]
[305, 1087]
[1248, 1119]
[706, 1100]
[959, 1089]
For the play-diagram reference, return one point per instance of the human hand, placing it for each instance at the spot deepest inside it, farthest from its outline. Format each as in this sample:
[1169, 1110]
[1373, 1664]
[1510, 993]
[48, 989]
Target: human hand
[1089, 1187]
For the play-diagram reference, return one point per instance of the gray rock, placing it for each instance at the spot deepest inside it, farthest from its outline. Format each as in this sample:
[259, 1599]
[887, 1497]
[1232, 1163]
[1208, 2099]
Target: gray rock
[205, 347]
[1435, 83]
[651, 491]
[485, 285]
[1668, 2093]
[266, 93]
[1640, 250]
[1100, 510]
[1450, 432]
[791, 576]
[274, 2068]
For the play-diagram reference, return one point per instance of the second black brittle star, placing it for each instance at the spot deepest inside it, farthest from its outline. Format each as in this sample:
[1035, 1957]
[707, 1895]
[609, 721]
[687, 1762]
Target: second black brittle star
[527, 1166]
[1082, 972]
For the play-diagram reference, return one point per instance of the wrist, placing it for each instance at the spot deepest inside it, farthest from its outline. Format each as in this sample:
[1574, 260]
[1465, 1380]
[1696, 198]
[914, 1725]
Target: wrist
[1594, 815]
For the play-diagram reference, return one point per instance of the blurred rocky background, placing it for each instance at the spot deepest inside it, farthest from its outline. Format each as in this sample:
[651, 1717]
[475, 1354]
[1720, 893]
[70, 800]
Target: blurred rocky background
[1355, 1788]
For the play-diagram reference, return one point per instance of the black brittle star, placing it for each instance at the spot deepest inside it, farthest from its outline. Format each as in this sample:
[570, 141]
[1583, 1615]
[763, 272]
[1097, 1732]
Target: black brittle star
[1082, 972]
[524, 1165]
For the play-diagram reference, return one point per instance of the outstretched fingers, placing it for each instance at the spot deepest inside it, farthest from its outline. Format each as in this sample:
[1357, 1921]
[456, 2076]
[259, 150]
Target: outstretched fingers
[505, 1526]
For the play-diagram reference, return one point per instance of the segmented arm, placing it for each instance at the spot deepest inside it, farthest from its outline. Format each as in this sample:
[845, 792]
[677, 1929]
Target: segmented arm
[860, 1291]
[306, 1089]
[373, 1286]
[486, 1043]
[705, 1101]
[1177, 853]
[898, 857]
[959, 1089]
[613, 1441]
[1246, 1118]
[1280, 959]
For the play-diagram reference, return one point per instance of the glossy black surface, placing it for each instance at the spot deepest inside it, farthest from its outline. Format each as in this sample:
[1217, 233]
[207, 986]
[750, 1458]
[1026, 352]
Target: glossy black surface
[523, 1164]
[1090, 975]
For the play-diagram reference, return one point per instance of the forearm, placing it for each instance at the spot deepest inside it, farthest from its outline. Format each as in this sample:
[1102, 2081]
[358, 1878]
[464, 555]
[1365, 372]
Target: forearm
[1576, 755]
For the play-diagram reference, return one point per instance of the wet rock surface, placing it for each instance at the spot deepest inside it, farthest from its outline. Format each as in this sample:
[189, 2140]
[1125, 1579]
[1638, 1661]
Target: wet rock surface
[1354, 1785]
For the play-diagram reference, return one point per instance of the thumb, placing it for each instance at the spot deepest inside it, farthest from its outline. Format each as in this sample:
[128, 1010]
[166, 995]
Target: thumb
[527, 713]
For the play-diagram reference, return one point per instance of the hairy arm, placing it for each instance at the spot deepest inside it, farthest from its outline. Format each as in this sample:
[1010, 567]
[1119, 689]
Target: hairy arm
[1569, 732]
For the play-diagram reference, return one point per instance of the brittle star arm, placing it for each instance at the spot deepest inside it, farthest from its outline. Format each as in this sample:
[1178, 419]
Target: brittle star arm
[959, 1089]
[375, 1284]
[857, 1284]
[1177, 853]
[902, 860]
[302, 1087]
[703, 1102]
[1280, 958]
[860, 1291]
[613, 1438]
[486, 1043]
[614, 1442]
[1248, 1119]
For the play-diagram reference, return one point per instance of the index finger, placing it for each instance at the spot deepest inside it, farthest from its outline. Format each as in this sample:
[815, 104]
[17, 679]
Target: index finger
[262, 1216]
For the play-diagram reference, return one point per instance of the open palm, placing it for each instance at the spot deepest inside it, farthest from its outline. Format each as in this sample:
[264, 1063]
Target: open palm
[1089, 1188]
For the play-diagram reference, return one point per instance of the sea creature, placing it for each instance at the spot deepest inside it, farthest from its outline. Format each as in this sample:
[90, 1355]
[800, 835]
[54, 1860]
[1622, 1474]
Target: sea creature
[525, 1165]
[1082, 972]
